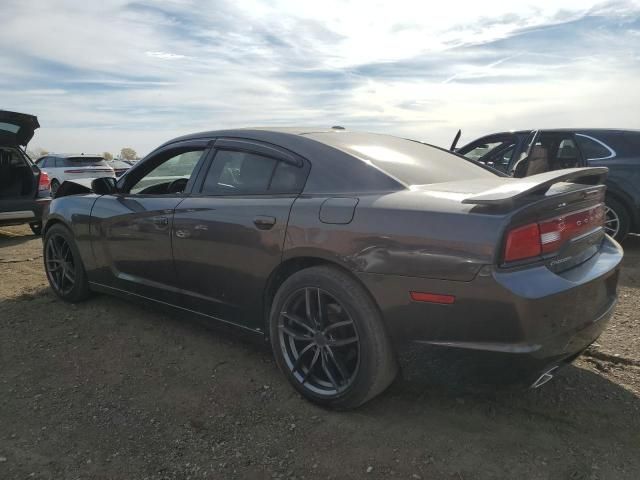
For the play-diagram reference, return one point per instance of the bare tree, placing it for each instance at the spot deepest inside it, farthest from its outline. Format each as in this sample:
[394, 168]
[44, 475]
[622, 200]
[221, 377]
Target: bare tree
[37, 153]
[107, 155]
[128, 153]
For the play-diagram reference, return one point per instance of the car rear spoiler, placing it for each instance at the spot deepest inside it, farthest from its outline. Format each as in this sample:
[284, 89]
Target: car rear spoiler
[519, 187]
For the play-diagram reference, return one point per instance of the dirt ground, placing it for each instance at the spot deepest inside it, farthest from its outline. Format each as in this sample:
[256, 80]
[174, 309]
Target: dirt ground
[109, 389]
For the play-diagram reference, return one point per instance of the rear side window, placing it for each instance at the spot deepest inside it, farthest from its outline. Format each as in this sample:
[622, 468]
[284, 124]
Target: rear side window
[592, 148]
[9, 127]
[244, 173]
[83, 162]
[411, 162]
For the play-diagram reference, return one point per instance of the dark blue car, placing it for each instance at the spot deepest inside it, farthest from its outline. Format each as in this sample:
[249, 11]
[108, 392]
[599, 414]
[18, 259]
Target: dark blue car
[528, 152]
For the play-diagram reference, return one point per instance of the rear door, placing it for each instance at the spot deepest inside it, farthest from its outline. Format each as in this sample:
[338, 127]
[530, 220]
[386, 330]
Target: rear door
[229, 233]
[131, 229]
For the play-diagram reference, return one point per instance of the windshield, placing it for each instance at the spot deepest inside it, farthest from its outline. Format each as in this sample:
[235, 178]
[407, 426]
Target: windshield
[411, 162]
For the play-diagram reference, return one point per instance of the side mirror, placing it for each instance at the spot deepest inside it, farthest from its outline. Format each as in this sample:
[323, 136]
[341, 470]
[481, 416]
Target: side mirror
[104, 186]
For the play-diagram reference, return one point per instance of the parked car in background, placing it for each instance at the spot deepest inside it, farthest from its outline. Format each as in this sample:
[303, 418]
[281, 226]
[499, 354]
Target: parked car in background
[528, 152]
[62, 167]
[24, 188]
[344, 248]
[119, 166]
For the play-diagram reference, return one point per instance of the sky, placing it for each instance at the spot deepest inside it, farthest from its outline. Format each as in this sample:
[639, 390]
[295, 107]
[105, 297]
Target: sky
[102, 75]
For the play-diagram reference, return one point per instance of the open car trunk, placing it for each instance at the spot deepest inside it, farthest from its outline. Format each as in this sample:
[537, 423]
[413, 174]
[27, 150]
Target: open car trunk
[18, 179]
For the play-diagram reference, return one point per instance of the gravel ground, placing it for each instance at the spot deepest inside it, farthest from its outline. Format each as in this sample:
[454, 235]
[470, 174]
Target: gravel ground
[109, 389]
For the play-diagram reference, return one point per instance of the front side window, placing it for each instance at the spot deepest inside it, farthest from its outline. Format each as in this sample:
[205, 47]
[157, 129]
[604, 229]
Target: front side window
[170, 176]
[592, 148]
[243, 173]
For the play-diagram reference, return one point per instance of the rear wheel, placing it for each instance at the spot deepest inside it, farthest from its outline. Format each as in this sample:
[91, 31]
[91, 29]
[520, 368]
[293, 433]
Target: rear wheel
[329, 340]
[53, 187]
[63, 265]
[617, 219]
[36, 228]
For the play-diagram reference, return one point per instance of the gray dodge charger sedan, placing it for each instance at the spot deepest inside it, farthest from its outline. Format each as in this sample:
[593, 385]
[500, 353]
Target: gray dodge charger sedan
[344, 248]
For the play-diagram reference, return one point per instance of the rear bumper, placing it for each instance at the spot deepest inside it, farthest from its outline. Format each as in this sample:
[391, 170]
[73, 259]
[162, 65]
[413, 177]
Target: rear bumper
[28, 211]
[526, 320]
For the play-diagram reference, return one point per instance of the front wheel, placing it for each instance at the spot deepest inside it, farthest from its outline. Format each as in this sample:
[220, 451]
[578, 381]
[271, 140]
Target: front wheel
[328, 338]
[63, 265]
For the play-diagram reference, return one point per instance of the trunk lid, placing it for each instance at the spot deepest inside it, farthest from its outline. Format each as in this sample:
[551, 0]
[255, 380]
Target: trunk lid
[555, 218]
[17, 129]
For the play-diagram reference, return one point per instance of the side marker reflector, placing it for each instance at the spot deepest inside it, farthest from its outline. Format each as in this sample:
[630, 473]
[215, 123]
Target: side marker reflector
[432, 298]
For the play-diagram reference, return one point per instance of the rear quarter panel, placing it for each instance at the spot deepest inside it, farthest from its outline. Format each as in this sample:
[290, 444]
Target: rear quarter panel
[401, 233]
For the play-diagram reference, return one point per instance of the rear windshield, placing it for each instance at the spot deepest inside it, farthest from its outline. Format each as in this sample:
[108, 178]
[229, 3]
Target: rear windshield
[411, 162]
[85, 162]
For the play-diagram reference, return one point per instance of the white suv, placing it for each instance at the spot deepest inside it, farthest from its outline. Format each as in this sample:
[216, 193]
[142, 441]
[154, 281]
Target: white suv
[61, 167]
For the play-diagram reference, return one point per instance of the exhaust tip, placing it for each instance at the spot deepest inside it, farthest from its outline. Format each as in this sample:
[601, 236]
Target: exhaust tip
[545, 377]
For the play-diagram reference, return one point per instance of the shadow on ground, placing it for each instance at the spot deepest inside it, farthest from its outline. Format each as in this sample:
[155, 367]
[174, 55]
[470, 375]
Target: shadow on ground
[108, 389]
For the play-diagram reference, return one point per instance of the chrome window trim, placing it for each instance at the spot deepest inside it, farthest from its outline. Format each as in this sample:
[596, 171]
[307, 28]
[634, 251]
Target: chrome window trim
[612, 152]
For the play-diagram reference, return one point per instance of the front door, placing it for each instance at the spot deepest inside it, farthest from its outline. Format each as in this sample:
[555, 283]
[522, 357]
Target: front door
[229, 235]
[495, 151]
[131, 229]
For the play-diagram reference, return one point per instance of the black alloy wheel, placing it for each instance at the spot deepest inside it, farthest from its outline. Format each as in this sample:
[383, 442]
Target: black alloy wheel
[63, 265]
[59, 263]
[319, 341]
[329, 339]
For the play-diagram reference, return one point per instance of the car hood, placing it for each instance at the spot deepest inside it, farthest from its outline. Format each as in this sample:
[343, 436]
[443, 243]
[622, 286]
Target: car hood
[16, 129]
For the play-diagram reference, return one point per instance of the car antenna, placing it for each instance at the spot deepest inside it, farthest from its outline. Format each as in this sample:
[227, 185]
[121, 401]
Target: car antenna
[455, 141]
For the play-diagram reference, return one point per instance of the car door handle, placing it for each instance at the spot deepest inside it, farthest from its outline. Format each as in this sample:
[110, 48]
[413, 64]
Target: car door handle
[161, 221]
[264, 222]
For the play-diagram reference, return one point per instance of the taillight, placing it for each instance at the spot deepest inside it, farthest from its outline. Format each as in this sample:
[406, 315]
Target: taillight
[548, 236]
[554, 232]
[523, 242]
[44, 182]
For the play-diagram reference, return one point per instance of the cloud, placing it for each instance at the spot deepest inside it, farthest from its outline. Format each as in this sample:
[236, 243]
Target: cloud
[165, 55]
[103, 75]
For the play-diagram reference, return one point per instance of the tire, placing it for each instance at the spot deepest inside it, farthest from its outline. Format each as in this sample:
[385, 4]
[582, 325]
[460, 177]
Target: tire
[617, 221]
[63, 265]
[36, 228]
[346, 373]
[53, 188]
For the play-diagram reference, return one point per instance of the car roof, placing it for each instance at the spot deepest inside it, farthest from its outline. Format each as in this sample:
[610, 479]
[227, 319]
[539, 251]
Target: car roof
[257, 133]
[565, 129]
[73, 155]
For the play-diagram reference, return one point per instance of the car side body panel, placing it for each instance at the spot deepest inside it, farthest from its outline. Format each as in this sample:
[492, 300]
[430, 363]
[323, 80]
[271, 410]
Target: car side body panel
[421, 243]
